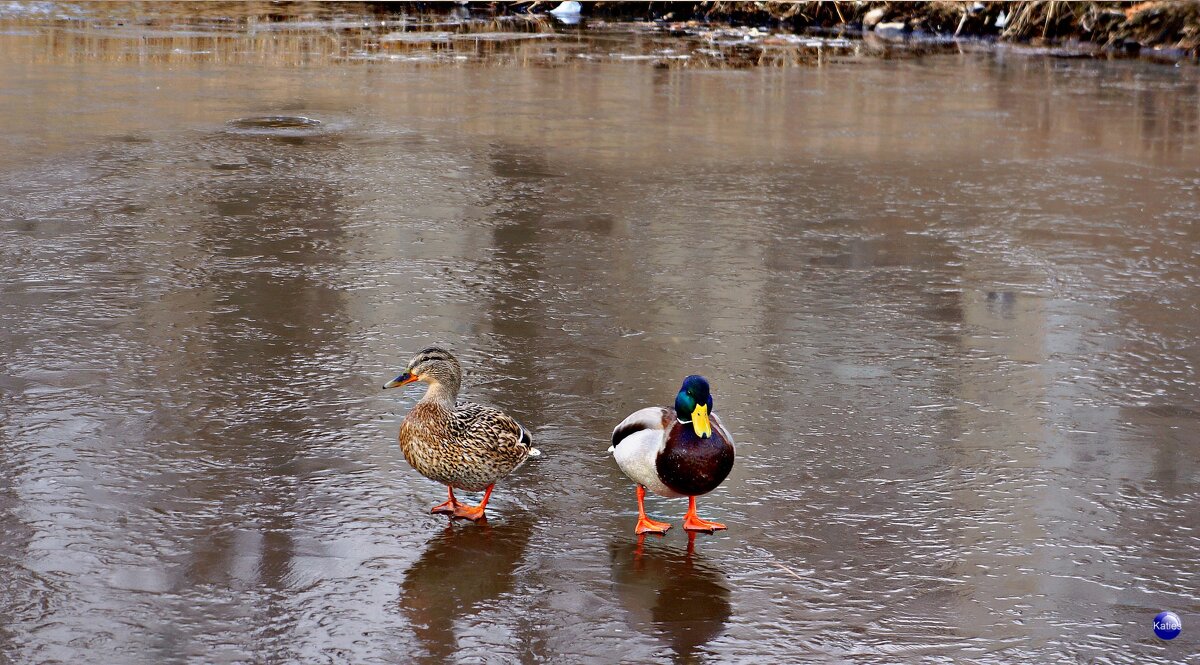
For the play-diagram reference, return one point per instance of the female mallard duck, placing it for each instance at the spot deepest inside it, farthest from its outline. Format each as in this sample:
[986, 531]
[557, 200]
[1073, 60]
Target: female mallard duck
[464, 446]
[685, 453]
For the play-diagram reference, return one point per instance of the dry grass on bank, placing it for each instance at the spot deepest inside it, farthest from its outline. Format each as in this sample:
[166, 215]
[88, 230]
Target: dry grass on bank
[1166, 24]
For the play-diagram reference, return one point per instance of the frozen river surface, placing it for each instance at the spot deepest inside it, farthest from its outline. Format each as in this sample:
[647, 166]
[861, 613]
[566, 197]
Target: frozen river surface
[948, 304]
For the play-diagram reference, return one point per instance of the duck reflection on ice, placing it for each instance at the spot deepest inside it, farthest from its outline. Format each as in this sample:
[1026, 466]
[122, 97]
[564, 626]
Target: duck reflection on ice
[462, 568]
[673, 595]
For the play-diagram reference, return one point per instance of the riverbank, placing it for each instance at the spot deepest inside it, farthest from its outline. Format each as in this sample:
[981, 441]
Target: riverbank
[666, 35]
[1126, 27]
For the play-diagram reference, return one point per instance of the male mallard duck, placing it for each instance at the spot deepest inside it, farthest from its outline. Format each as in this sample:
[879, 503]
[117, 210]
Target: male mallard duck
[464, 446]
[685, 453]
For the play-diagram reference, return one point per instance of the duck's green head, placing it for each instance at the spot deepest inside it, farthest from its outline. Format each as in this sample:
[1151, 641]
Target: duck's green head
[693, 404]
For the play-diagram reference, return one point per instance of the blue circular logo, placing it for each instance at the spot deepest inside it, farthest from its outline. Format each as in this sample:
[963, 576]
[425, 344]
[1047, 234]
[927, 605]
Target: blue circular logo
[1167, 625]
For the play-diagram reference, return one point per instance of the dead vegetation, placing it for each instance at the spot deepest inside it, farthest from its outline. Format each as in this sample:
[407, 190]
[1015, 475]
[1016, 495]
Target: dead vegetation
[1113, 25]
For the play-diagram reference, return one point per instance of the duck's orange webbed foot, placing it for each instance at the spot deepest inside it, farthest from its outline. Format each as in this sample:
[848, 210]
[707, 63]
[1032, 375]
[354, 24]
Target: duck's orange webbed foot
[448, 507]
[647, 525]
[473, 513]
[692, 521]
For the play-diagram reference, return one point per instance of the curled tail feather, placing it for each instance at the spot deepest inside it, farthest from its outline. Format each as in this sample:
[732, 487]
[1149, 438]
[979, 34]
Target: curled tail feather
[527, 439]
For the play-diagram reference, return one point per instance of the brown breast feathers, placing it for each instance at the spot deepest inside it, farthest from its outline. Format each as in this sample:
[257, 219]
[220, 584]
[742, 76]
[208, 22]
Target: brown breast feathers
[691, 465]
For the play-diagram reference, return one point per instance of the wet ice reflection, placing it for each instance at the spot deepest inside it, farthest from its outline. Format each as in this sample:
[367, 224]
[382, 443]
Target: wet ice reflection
[952, 332]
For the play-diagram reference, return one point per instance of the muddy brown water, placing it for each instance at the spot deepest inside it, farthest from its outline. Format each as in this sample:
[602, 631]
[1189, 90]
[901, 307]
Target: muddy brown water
[948, 305]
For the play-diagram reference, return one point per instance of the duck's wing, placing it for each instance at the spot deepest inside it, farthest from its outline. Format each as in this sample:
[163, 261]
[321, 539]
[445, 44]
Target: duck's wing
[491, 429]
[637, 443]
[654, 418]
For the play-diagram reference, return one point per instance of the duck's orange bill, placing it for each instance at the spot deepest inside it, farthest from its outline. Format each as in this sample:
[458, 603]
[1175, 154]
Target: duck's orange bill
[400, 380]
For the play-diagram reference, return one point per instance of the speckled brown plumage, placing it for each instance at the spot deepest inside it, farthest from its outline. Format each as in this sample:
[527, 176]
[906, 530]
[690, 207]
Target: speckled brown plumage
[465, 446]
[468, 448]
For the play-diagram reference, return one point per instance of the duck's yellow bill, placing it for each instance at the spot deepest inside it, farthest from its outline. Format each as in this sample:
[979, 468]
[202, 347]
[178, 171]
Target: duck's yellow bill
[700, 421]
[400, 380]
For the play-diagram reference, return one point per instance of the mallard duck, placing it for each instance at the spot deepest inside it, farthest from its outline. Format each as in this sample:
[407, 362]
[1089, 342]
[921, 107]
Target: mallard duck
[685, 452]
[463, 446]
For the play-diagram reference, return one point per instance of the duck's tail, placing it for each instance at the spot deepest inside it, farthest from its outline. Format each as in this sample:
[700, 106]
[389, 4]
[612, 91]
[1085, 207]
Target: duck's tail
[527, 439]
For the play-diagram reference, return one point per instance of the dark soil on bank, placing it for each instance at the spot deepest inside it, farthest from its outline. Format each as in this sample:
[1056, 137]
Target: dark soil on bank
[1116, 26]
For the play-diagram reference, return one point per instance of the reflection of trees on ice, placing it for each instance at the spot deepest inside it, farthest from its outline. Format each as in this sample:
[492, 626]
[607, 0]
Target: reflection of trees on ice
[463, 568]
[675, 596]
